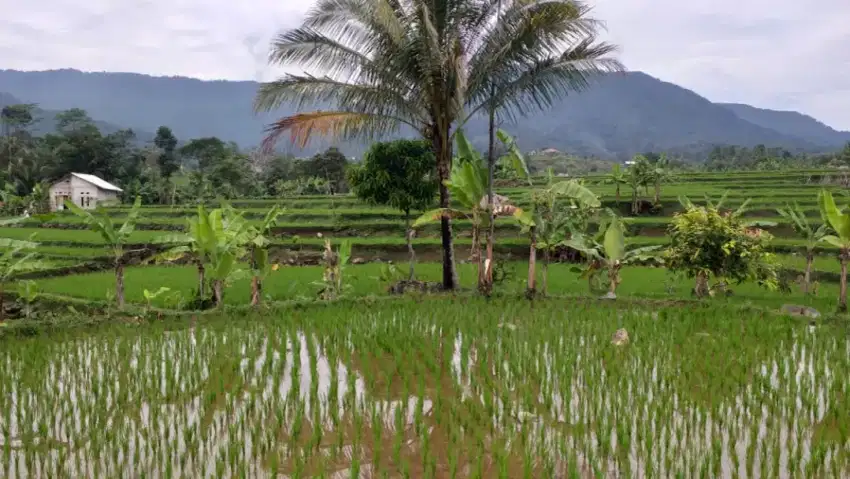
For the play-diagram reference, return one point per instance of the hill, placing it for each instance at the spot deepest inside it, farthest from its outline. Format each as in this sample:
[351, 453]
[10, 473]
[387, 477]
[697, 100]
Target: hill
[790, 123]
[621, 115]
[47, 120]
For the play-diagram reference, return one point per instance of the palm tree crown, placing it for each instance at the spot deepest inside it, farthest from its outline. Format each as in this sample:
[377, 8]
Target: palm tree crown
[373, 66]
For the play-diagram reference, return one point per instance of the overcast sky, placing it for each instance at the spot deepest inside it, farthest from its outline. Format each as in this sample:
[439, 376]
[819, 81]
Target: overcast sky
[779, 54]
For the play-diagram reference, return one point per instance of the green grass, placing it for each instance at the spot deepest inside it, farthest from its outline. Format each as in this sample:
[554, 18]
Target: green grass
[289, 283]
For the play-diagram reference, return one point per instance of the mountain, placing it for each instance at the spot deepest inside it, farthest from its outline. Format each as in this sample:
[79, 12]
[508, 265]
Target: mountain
[47, 120]
[621, 115]
[790, 123]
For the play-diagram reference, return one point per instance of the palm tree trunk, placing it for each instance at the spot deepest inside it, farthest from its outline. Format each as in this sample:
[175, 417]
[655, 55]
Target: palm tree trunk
[409, 235]
[491, 168]
[618, 196]
[807, 277]
[218, 292]
[443, 151]
[657, 192]
[842, 294]
[531, 289]
[119, 284]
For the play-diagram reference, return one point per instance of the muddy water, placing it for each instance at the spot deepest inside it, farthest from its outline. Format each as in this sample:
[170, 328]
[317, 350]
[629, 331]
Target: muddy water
[415, 402]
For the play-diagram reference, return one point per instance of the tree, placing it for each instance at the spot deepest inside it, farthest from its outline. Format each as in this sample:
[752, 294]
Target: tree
[205, 151]
[559, 210]
[258, 244]
[428, 65]
[330, 165]
[224, 233]
[617, 178]
[16, 257]
[840, 223]
[167, 158]
[399, 174]
[116, 239]
[658, 173]
[812, 236]
[705, 242]
[468, 186]
[608, 251]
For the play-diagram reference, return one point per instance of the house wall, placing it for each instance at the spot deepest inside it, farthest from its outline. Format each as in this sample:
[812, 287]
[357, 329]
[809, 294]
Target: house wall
[81, 192]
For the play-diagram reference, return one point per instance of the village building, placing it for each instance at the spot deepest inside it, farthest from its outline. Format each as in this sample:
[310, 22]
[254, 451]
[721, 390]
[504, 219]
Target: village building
[86, 191]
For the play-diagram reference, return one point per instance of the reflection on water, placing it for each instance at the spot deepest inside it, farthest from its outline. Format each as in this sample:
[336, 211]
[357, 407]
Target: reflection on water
[407, 398]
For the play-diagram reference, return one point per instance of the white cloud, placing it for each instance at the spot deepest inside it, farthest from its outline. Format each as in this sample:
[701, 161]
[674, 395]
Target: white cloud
[774, 54]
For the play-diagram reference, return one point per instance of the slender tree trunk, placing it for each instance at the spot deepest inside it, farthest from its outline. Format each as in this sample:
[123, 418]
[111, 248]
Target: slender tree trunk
[476, 252]
[842, 293]
[443, 151]
[618, 196]
[218, 292]
[613, 278]
[255, 290]
[119, 284]
[634, 201]
[409, 235]
[491, 168]
[202, 272]
[701, 288]
[531, 289]
[657, 193]
[807, 277]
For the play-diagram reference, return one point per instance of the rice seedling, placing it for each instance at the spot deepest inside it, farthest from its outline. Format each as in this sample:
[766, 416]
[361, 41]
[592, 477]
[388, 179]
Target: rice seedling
[433, 388]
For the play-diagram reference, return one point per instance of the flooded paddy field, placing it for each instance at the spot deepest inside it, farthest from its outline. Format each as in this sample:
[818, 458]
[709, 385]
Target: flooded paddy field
[437, 388]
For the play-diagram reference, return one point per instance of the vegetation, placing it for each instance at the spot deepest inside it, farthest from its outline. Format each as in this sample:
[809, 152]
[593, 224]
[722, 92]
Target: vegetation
[430, 67]
[300, 357]
[399, 174]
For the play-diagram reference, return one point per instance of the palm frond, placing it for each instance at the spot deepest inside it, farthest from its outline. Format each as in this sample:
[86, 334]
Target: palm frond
[338, 124]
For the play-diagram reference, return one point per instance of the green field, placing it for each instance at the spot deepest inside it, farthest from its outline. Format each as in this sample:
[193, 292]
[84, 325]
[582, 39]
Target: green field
[377, 233]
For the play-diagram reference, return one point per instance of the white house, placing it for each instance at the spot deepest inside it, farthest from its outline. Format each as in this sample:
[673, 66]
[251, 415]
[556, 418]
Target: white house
[84, 190]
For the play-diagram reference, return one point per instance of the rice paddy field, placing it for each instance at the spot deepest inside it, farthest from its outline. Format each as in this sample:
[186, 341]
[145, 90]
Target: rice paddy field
[377, 235]
[433, 388]
[429, 386]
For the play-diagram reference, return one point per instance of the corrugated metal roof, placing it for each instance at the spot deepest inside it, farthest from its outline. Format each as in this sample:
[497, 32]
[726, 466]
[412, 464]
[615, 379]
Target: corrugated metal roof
[104, 185]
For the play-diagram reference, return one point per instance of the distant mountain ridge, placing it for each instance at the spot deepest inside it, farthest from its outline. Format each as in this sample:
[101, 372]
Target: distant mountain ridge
[46, 120]
[622, 114]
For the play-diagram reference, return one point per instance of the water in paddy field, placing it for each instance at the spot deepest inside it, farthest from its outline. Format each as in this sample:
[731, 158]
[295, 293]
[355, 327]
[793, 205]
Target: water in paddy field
[411, 396]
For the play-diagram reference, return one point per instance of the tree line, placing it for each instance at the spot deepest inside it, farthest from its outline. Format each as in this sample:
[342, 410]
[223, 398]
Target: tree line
[165, 170]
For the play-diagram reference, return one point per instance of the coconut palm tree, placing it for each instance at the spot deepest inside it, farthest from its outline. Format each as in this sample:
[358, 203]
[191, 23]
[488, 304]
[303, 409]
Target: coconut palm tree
[373, 67]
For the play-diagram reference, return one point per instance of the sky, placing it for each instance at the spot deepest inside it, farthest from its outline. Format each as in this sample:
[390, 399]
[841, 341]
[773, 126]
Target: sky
[779, 54]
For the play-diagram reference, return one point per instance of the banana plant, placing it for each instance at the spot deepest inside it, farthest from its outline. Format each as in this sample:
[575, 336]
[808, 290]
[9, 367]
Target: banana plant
[16, 256]
[258, 243]
[335, 262]
[812, 236]
[468, 187]
[607, 251]
[224, 234]
[187, 245]
[115, 237]
[839, 221]
[557, 210]
[618, 179]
